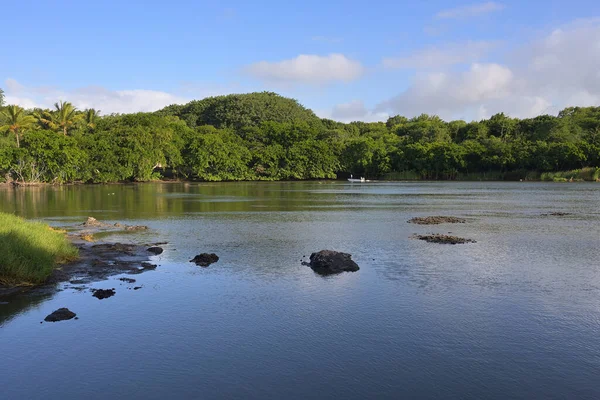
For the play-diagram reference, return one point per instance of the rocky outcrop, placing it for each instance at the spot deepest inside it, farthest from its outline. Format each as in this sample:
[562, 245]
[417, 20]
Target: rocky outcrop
[205, 259]
[327, 262]
[92, 222]
[444, 239]
[556, 214]
[103, 293]
[62, 314]
[155, 250]
[435, 220]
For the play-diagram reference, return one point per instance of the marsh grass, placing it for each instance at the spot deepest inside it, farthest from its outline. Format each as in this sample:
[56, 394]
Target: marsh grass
[29, 251]
[576, 175]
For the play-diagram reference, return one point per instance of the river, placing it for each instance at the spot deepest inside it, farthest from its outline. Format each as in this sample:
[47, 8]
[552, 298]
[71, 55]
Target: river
[514, 315]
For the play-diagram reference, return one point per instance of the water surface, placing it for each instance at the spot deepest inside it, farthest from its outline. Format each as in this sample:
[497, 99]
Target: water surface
[515, 315]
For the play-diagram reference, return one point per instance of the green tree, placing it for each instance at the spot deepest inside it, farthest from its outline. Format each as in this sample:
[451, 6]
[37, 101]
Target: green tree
[64, 116]
[90, 118]
[15, 120]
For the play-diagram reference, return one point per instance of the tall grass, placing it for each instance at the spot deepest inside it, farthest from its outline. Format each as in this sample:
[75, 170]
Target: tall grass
[29, 251]
[584, 174]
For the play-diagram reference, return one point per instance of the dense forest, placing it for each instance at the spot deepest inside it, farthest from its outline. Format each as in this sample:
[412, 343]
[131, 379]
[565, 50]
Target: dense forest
[264, 136]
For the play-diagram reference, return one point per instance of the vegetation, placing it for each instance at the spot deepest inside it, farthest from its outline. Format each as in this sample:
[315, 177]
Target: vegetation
[30, 250]
[263, 136]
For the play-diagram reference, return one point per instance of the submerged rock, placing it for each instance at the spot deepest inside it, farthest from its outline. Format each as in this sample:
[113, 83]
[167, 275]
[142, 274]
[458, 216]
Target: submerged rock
[128, 280]
[437, 219]
[103, 293]
[136, 227]
[91, 221]
[205, 259]
[327, 262]
[444, 239]
[155, 250]
[556, 214]
[62, 314]
[147, 266]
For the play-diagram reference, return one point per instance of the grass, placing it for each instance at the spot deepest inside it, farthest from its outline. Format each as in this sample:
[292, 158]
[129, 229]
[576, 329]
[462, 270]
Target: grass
[29, 251]
[576, 175]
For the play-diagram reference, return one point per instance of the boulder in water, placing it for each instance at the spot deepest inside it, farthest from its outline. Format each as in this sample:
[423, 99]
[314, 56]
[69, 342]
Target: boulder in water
[62, 314]
[205, 259]
[155, 250]
[327, 262]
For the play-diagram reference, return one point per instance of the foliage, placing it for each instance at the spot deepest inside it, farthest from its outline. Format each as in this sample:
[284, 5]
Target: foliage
[30, 250]
[241, 110]
[13, 119]
[264, 136]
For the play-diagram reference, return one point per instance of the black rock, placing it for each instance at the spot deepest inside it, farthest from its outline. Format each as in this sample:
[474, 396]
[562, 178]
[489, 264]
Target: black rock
[147, 266]
[128, 280]
[327, 262]
[62, 314]
[205, 259]
[155, 250]
[103, 293]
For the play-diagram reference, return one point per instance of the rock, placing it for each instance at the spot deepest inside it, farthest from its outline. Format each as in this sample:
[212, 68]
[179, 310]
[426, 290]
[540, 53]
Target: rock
[147, 266]
[556, 214]
[137, 288]
[91, 221]
[444, 239]
[128, 280]
[103, 293]
[205, 259]
[327, 262]
[155, 250]
[435, 220]
[135, 227]
[62, 314]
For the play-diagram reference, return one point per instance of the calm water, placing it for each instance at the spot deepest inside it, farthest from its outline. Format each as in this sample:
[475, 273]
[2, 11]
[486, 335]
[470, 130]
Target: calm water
[515, 315]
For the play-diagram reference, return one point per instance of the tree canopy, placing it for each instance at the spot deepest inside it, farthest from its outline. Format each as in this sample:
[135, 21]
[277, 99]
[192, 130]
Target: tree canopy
[264, 136]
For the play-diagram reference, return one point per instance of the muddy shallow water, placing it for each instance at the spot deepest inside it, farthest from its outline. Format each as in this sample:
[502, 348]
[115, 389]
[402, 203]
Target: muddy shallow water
[514, 315]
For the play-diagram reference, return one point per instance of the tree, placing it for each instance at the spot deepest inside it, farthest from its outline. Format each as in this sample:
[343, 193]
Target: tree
[16, 121]
[90, 118]
[65, 116]
[1, 97]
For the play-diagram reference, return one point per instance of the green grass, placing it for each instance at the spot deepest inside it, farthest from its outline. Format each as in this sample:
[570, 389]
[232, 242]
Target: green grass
[576, 175]
[29, 251]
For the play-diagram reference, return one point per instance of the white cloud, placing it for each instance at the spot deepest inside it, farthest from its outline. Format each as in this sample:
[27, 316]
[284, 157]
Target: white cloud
[308, 69]
[436, 57]
[352, 111]
[472, 10]
[108, 101]
[543, 76]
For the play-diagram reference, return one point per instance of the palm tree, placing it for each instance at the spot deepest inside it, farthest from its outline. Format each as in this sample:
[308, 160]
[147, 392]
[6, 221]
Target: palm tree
[90, 118]
[16, 121]
[65, 116]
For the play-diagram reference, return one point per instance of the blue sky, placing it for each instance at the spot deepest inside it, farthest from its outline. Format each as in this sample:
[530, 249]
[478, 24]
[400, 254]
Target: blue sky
[344, 59]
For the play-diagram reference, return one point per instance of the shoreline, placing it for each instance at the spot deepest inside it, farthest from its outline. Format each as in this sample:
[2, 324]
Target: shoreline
[96, 262]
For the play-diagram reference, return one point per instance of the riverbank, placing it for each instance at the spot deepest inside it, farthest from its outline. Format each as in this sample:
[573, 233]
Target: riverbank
[31, 250]
[36, 257]
[589, 174]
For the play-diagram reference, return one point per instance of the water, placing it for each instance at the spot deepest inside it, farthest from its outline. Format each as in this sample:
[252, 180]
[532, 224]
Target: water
[515, 315]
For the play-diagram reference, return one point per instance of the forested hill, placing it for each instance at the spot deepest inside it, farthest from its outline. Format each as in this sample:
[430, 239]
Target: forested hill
[264, 136]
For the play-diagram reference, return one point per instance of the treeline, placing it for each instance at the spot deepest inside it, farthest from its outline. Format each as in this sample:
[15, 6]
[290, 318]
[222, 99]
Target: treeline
[263, 136]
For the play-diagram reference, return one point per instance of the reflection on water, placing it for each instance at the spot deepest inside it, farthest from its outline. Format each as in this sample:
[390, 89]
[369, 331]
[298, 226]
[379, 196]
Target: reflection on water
[515, 315]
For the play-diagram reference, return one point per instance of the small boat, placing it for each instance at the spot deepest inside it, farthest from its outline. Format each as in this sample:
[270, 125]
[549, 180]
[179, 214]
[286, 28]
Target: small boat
[356, 180]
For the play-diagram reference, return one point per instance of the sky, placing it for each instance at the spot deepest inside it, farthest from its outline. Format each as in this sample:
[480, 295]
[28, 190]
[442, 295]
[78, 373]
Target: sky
[346, 60]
